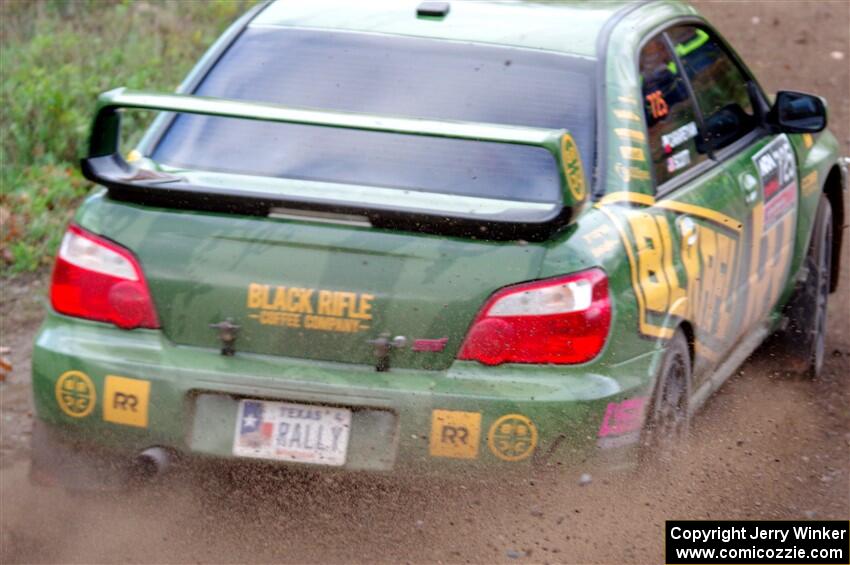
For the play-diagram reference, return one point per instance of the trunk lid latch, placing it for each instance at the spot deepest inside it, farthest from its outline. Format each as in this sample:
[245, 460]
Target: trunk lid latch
[382, 346]
[227, 333]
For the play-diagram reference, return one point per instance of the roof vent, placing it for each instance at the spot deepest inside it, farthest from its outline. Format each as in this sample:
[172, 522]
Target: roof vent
[433, 9]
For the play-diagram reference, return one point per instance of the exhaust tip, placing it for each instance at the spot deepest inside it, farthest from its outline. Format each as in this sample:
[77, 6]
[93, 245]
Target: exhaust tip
[152, 461]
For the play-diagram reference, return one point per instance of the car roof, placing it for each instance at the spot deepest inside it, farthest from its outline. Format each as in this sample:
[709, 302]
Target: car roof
[569, 27]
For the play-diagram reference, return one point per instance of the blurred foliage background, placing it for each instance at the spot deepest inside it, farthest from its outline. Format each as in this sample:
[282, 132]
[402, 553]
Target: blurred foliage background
[56, 56]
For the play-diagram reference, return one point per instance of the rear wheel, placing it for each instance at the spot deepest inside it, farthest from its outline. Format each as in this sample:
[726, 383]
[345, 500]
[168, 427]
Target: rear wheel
[807, 309]
[668, 421]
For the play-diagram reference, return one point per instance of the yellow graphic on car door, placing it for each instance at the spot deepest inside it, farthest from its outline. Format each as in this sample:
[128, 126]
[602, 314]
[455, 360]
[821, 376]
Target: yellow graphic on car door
[707, 245]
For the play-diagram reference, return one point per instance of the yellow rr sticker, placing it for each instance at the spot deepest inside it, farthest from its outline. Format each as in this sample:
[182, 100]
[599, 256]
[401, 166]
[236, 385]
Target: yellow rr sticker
[125, 401]
[455, 434]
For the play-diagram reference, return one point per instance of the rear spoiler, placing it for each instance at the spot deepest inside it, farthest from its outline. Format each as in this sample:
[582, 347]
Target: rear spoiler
[500, 219]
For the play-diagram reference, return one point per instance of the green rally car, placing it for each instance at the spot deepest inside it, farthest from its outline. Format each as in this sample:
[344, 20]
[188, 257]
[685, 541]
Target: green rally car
[434, 237]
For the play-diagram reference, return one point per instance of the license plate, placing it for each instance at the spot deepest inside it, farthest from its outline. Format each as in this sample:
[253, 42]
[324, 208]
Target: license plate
[292, 432]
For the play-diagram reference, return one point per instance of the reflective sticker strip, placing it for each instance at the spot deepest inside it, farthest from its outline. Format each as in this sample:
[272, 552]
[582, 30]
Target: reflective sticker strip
[599, 232]
[75, 394]
[808, 140]
[603, 248]
[626, 133]
[512, 437]
[455, 434]
[125, 401]
[810, 183]
[600, 240]
[626, 115]
[630, 173]
[632, 153]
[573, 169]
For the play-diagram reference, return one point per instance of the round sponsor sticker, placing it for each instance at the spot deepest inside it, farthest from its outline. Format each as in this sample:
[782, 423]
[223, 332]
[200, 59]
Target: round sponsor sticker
[573, 170]
[512, 437]
[75, 394]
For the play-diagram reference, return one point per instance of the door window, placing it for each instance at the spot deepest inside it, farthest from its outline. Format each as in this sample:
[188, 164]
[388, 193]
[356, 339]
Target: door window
[720, 87]
[670, 115]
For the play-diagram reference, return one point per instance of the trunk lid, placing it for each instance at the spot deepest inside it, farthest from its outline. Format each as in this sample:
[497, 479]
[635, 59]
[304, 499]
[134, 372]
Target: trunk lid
[314, 291]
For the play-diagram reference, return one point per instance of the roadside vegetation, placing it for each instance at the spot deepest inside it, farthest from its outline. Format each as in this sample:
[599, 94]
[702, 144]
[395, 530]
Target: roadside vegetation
[56, 56]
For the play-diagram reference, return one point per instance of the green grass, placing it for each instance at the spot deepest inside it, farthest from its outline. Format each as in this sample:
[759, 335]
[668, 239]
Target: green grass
[56, 56]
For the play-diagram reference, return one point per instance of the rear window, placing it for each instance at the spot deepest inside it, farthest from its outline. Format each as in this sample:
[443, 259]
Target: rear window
[388, 75]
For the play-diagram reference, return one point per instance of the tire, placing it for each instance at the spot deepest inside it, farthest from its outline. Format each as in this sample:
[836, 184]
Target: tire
[805, 336]
[665, 432]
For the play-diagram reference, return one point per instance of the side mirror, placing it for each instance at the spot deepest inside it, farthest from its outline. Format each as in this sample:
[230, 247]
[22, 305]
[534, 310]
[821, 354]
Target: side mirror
[797, 112]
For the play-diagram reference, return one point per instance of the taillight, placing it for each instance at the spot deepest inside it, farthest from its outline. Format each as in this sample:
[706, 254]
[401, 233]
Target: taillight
[100, 280]
[563, 320]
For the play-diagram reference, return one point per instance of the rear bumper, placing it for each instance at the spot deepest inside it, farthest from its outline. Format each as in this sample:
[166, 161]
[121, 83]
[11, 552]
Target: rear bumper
[187, 399]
